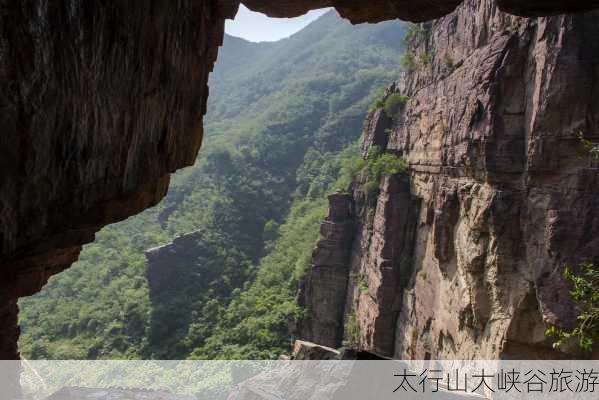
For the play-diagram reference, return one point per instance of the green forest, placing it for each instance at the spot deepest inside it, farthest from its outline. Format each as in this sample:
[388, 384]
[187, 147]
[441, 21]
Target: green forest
[281, 132]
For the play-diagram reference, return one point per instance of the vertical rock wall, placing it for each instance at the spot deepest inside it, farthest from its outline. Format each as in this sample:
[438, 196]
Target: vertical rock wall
[322, 291]
[381, 261]
[490, 132]
[466, 260]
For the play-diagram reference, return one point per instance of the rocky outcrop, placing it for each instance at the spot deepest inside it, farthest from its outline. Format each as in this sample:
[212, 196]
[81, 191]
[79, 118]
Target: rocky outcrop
[322, 291]
[357, 11]
[306, 351]
[379, 10]
[466, 260]
[381, 262]
[512, 191]
[162, 262]
[101, 102]
[176, 273]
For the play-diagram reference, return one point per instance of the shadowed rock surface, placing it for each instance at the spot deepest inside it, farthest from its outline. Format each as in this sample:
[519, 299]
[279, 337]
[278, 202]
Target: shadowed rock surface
[379, 10]
[100, 103]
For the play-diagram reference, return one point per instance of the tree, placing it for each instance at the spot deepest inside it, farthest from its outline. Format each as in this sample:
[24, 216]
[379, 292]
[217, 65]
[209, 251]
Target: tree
[585, 294]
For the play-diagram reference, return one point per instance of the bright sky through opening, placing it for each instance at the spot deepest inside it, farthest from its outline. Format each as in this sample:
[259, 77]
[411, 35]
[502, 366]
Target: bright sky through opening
[257, 27]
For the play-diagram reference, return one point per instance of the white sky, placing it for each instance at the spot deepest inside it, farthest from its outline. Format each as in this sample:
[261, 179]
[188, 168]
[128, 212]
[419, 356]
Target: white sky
[257, 27]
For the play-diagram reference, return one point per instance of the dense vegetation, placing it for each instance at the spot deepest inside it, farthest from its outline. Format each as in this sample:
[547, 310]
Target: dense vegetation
[394, 104]
[376, 165]
[256, 322]
[280, 115]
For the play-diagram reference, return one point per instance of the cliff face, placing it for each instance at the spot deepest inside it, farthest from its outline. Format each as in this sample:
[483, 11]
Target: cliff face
[167, 267]
[322, 291]
[101, 102]
[466, 260]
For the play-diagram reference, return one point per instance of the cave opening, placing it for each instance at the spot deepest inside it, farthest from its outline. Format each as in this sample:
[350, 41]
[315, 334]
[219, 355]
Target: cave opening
[101, 307]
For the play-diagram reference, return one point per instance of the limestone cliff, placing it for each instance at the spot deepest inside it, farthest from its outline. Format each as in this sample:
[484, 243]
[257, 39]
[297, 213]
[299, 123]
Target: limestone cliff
[101, 101]
[465, 260]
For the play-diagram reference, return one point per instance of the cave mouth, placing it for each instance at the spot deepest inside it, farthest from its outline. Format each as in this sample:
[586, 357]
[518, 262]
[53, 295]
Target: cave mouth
[117, 259]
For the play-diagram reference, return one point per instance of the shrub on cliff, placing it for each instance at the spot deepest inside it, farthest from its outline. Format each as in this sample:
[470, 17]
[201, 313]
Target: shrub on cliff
[408, 61]
[394, 104]
[378, 102]
[377, 165]
[425, 58]
[591, 147]
[414, 33]
[352, 332]
[585, 294]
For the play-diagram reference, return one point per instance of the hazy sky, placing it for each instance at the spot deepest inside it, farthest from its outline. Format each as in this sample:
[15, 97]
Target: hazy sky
[258, 27]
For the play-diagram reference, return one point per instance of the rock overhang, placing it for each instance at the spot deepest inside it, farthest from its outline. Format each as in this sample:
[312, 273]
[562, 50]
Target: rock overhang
[359, 11]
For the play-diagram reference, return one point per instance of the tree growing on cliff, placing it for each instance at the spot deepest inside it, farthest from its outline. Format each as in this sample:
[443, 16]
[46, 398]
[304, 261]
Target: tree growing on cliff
[585, 294]
[591, 147]
[415, 32]
[377, 165]
[394, 104]
[408, 61]
[352, 331]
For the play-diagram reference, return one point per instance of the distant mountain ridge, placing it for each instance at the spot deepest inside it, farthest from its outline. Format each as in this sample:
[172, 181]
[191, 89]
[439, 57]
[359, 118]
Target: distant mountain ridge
[248, 74]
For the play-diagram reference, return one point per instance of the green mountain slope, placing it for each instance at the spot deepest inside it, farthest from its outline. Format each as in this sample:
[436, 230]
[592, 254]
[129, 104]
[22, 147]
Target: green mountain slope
[278, 115]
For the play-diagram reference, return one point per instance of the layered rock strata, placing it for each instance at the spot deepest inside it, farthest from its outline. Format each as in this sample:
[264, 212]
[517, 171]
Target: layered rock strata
[322, 291]
[466, 260]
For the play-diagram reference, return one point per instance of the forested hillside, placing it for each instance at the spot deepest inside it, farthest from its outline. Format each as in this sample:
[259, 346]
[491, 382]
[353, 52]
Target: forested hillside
[282, 123]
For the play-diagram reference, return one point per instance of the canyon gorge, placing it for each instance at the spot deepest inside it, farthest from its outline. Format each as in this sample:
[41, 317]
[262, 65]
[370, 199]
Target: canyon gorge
[462, 256]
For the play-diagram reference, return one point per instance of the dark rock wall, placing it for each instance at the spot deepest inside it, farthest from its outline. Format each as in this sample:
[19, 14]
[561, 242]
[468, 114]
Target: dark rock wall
[98, 107]
[502, 195]
[359, 11]
[100, 102]
[176, 276]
